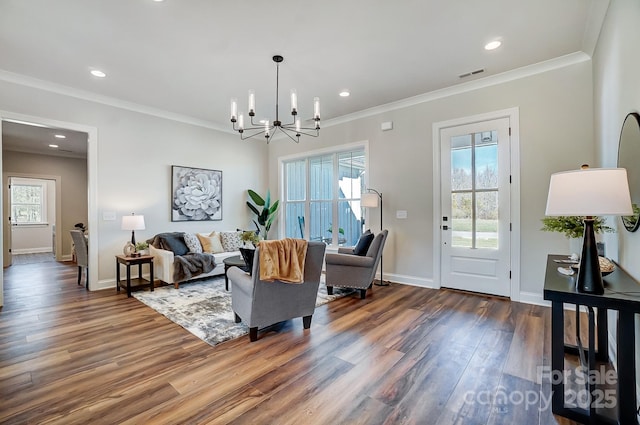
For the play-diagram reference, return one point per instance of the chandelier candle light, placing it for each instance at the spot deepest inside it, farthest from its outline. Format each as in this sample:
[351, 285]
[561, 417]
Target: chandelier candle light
[589, 192]
[293, 130]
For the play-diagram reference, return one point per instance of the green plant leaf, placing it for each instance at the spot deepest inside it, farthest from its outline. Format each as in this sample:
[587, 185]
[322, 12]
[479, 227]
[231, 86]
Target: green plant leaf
[257, 199]
[253, 208]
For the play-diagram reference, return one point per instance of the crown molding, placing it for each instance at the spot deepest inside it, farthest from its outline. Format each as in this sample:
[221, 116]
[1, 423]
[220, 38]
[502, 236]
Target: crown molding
[24, 80]
[527, 71]
[516, 74]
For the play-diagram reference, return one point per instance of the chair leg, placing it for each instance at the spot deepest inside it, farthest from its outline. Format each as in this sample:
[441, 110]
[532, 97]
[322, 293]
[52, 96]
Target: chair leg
[79, 275]
[306, 322]
[237, 318]
[329, 290]
[253, 334]
[363, 294]
[86, 277]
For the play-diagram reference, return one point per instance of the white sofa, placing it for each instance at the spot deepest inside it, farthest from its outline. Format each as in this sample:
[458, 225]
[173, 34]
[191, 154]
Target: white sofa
[163, 264]
[164, 260]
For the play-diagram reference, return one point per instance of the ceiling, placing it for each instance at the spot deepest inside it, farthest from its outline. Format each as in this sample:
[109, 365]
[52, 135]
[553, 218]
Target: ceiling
[185, 59]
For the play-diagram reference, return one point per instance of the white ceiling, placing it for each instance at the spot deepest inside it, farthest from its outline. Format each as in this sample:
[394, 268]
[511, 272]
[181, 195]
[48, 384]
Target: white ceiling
[185, 59]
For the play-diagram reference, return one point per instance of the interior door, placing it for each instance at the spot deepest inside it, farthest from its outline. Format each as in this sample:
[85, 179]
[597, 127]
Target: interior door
[475, 226]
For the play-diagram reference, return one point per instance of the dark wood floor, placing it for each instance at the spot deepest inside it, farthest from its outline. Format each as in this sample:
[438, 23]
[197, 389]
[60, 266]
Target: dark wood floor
[404, 355]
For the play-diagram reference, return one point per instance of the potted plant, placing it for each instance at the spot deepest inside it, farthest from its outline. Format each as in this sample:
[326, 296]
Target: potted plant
[249, 236]
[142, 248]
[573, 228]
[264, 216]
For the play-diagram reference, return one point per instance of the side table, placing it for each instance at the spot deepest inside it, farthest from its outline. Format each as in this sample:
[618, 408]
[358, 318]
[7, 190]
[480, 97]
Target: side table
[139, 281]
[236, 261]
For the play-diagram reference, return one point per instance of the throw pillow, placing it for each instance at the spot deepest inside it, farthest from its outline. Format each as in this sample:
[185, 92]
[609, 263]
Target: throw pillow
[192, 243]
[363, 244]
[210, 244]
[173, 242]
[231, 240]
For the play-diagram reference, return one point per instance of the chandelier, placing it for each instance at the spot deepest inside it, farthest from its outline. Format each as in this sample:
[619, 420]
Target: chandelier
[268, 128]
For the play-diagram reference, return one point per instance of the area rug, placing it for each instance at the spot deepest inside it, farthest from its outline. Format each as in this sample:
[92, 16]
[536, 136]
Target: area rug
[204, 307]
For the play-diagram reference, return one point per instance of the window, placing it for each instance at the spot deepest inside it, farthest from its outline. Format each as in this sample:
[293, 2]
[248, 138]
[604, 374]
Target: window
[28, 203]
[322, 197]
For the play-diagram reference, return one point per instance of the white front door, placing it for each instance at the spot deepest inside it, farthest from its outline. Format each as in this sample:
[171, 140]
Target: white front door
[475, 222]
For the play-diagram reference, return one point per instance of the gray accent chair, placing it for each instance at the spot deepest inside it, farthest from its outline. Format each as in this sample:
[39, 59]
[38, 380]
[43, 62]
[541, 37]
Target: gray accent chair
[347, 270]
[82, 254]
[259, 304]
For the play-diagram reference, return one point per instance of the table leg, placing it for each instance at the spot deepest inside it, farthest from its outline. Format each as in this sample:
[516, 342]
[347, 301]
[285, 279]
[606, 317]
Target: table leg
[129, 280]
[626, 368]
[603, 335]
[557, 356]
[151, 274]
[117, 276]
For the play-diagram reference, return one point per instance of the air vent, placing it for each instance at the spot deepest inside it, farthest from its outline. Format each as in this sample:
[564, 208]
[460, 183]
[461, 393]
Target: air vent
[468, 74]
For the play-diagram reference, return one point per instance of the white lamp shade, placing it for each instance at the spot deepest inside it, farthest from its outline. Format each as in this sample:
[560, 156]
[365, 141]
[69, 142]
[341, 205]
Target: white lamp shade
[132, 222]
[589, 192]
[369, 200]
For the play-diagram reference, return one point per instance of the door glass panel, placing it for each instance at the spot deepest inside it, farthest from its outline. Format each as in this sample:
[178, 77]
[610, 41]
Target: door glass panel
[295, 175]
[487, 219]
[474, 184]
[486, 160]
[461, 162]
[461, 220]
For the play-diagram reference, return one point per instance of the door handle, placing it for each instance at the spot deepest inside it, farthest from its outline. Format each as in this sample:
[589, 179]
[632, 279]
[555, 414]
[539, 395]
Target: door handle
[445, 227]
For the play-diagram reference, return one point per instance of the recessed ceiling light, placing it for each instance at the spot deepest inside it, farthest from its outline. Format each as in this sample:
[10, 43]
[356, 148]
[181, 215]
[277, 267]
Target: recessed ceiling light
[53, 146]
[60, 136]
[344, 93]
[493, 45]
[98, 73]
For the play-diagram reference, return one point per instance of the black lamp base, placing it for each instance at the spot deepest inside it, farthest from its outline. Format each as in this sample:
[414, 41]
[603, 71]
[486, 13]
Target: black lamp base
[589, 276]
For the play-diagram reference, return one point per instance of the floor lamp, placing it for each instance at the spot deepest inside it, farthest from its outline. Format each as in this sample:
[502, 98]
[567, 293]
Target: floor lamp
[370, 199]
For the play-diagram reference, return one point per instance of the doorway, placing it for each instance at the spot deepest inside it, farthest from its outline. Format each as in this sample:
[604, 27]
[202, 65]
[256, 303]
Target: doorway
[87, 196]
[32, 216]
[474, 205]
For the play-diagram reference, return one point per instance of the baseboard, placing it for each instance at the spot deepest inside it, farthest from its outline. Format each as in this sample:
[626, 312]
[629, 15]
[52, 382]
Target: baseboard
[534, 298]
[31, 250]
[409, 280]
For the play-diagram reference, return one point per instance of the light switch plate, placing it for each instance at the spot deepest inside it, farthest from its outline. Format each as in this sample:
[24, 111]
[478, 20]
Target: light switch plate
[108, 215]
[401, 214]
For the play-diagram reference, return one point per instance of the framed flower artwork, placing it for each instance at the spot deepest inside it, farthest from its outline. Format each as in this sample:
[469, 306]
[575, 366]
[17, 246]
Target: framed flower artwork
[196, 195]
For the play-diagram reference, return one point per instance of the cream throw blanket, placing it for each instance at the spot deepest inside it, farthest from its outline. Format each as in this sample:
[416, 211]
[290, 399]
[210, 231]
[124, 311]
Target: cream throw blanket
[283, 260]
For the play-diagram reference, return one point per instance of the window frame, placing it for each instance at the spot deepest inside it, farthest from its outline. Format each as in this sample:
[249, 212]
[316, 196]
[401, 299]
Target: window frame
[42, 185]
[335, 151]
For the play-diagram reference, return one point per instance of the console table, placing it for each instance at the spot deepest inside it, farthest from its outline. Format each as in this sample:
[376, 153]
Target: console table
[622, 294]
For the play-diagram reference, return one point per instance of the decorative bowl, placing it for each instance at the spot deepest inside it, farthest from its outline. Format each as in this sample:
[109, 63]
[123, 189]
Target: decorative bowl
[606, 266]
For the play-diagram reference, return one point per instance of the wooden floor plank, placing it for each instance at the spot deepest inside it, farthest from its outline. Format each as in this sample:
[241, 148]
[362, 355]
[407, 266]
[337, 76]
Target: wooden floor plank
[403, 355]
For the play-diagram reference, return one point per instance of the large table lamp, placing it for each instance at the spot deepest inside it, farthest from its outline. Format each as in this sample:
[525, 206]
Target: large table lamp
[589, 192]
[369, 199]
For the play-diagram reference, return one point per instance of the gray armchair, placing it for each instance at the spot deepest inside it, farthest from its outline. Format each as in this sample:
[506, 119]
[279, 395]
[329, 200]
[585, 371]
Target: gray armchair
[347, 270]
[260, 304]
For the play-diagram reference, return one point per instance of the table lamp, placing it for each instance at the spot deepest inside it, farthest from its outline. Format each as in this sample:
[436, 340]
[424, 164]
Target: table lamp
[589, 192]
[132, 222]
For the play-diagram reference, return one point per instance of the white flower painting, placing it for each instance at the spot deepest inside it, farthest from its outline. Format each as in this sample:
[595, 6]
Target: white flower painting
[197, 194]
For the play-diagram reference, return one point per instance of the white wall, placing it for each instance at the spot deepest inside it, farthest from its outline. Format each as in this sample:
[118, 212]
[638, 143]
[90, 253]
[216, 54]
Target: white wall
[616, 64]
[135, 152]
[555, 134]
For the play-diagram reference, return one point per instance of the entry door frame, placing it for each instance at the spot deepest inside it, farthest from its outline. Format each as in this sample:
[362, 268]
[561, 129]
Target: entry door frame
[513, 114]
